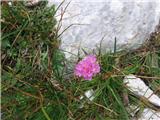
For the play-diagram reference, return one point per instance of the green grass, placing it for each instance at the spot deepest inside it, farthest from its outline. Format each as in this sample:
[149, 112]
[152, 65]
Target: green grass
[37, 83]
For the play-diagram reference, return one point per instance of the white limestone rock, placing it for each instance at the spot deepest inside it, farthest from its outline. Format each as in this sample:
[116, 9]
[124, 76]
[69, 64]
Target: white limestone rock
[146, 114]
[89, 94]
[32, 3]
[130, 21]
[139, 88]
[149, 114]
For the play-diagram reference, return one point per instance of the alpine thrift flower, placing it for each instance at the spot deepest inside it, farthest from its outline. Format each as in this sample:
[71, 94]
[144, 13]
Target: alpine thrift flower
[87, 67]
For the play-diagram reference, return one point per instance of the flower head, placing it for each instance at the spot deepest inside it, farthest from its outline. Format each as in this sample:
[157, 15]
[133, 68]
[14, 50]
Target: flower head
[87, 67]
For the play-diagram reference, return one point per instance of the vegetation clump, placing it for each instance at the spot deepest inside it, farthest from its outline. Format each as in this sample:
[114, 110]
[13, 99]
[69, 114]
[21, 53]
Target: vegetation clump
[36, 86]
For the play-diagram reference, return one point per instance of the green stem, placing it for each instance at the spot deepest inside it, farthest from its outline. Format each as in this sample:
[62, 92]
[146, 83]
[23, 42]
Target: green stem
[45, 114]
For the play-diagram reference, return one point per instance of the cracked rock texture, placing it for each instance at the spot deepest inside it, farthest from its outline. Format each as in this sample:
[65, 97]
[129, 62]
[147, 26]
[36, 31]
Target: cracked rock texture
[139, 88]
[149, 114]
[130, 21]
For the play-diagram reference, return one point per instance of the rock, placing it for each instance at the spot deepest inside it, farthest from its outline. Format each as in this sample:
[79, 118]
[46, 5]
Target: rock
[145, 114]
[149, 114]
[139, 88]
[96, 22]
[132, 110]
[89, 94]
[32, 3]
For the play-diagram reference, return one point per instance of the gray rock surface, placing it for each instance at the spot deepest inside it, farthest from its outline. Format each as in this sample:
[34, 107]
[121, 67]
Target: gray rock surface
[130, 21]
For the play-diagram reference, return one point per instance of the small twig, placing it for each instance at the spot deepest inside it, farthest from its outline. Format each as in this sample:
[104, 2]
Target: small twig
[62, 13]
[105, 108]
[136, 76]
[26, 93]
[148, 77]
[24, 82]
[59, 6]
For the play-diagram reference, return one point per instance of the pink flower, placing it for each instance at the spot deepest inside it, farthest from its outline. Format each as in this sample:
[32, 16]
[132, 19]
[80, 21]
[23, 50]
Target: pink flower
[87, 67]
